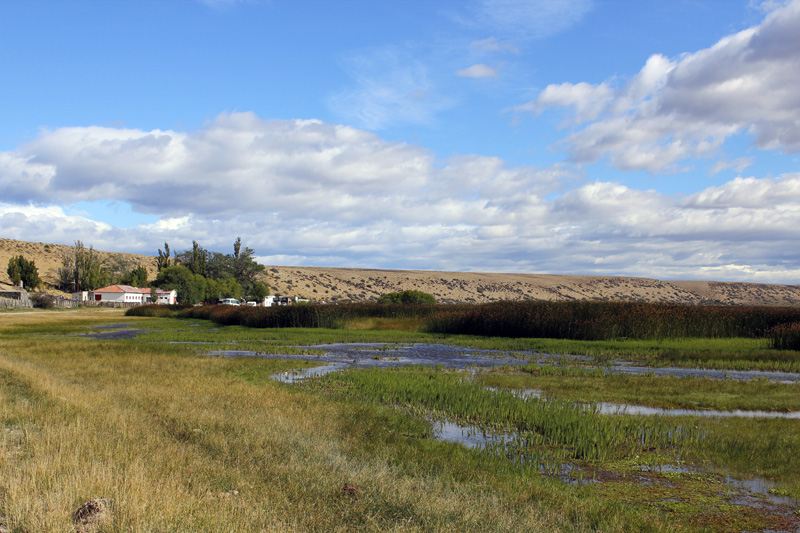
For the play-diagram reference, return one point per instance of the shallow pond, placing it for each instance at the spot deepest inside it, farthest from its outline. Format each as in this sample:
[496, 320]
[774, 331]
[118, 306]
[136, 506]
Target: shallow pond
[611, 408]
[386, 355]
[756, 492]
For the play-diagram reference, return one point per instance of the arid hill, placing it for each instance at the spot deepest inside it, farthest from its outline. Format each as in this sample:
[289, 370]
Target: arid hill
[352, 284]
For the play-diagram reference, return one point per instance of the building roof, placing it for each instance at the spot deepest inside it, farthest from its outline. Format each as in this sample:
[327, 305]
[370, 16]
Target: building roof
[128, 290]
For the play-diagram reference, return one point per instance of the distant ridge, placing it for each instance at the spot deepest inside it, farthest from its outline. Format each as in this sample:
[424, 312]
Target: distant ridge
[354, 284]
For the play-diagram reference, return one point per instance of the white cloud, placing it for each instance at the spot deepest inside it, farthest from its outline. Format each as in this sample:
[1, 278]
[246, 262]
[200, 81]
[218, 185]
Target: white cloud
[673, 110]
[478, 71]
[391, 87]
[491, 44]
[318, 194]
[739, 164]
[586, 99]
[525, 19]
[750, 192]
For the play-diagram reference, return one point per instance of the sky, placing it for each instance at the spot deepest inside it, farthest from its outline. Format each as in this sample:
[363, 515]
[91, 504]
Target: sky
[603, 137]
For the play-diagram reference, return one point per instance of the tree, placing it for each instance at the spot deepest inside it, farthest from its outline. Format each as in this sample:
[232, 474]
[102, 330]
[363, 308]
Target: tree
[135, 278]
[219, 266]
[191, 288]
[408, 298]
[163, 258]
[118, 267]
[195, 259]
[245, 268]
[81, 270]
[258, 291]
[20, 269]
[217, 289]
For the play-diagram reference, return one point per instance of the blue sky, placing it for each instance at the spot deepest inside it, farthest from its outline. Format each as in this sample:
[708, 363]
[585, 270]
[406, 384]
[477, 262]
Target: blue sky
[655, 138]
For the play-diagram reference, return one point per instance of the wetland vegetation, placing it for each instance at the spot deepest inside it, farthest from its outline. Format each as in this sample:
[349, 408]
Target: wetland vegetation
[176, 441]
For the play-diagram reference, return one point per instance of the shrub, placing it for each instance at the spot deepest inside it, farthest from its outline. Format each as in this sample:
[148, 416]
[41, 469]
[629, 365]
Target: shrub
[155, 310]
[408, 298]
[43, 300]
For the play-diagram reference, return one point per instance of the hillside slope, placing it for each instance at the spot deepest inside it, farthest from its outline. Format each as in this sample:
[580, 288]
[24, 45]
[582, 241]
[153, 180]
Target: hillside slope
[351, 284]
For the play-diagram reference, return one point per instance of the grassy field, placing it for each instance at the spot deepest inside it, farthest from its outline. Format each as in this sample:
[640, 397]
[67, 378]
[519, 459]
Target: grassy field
[177, 442]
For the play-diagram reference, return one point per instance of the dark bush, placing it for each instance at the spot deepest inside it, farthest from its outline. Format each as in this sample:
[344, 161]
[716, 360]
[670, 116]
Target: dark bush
[155, 310]
[43, 300]
[408, 298]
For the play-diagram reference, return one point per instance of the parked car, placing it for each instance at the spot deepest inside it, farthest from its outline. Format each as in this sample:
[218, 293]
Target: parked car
[230, 301]
[252, 304]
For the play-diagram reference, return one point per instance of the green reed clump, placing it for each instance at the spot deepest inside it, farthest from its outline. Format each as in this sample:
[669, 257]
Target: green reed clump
[590, 320]
[786, 336]
[561, 371]
[577, 431]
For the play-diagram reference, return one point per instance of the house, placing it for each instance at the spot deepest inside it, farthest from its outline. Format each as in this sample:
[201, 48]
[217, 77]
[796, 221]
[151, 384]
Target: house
[80, 298]
[125, 294]
[167, 297]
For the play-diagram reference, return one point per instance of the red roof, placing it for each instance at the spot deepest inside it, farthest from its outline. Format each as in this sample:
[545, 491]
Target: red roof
[128, 289]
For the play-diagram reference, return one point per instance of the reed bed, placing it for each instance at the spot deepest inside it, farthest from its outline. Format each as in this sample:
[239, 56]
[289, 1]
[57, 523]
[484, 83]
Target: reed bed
[611, 320]
[584, 320]
[786, 336]
[306, 316]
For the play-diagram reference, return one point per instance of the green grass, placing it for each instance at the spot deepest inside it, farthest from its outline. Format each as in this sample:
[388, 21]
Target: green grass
[722, 354]
[580, 385]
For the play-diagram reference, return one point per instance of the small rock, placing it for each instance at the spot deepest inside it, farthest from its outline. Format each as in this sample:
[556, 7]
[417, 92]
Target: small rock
[352, 490]
[91, 514]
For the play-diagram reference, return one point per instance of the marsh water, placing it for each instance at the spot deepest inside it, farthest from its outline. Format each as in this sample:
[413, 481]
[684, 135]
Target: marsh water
[338, 357]
[755, 492]
[387, 355]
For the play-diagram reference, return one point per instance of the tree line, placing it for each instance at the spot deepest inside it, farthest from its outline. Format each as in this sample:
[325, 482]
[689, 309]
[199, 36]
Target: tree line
[200, 275]
[197, 275]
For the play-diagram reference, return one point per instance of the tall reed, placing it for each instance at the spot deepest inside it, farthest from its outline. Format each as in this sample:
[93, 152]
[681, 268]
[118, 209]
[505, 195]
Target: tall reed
[610, 320]
[786, 336]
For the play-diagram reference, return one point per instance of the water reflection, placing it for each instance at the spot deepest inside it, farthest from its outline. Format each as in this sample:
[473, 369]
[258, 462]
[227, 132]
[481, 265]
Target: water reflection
[298, 375]
[386, 355]
[610, 408]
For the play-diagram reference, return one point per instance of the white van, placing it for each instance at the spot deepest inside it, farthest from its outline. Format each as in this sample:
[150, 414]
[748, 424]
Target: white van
[230, 301]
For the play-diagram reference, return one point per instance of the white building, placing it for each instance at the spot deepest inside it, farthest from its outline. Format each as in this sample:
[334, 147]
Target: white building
[125, 294]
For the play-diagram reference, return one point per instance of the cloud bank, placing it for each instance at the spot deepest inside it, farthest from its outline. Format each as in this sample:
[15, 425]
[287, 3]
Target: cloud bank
[323, 194]
[687, 107]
